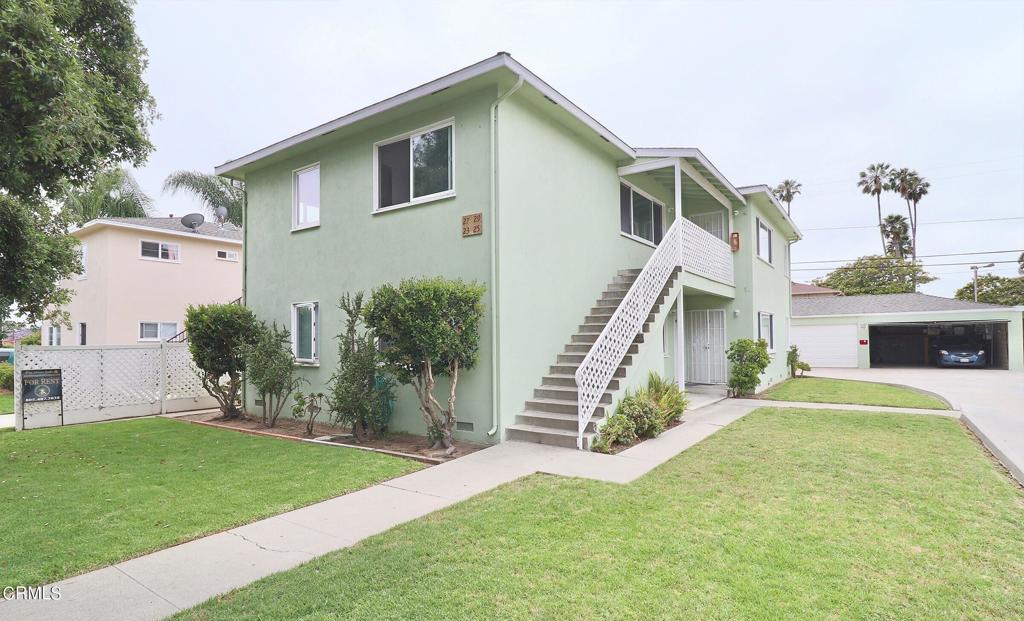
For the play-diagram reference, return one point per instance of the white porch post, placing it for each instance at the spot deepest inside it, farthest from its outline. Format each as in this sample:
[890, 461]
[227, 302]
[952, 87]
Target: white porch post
[680, 361]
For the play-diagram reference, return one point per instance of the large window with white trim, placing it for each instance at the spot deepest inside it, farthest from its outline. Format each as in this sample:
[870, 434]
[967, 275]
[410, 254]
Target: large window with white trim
[157, 330]
[764, 240]
[83, 258]
[305, 321]
[414, 167]
[159, 251]
[306, 197]
[640, 215]
[53, 335]
[766, 329]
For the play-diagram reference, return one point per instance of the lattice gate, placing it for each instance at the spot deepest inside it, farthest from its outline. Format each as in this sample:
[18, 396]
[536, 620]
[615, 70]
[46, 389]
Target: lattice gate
[107, 382]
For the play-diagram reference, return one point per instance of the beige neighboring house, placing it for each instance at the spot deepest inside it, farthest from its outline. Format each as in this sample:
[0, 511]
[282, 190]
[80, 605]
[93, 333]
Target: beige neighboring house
[141, 274]
[802, 290]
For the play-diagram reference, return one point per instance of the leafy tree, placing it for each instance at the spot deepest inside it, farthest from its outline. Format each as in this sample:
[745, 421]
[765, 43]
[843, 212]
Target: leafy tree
[874, 180]
[787, 191]
[876, 275]
[431, 326]
[36, 338]
[896, 231]
[218, 337]
[211, 190]
[748, 360]
[360, 396]
[270, 368]
[910, 185]
[994, 289]
[309, 407]
[112, 193]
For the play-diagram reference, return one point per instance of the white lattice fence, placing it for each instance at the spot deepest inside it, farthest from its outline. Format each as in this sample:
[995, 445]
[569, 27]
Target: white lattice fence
[706, 255]
[109, 382]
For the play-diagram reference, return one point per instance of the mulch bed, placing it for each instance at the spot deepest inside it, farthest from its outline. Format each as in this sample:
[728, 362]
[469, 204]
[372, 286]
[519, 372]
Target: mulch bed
[618, 448]
[401, 444]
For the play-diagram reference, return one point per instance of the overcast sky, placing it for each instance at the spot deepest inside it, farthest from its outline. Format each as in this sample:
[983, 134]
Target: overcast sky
[813, 91]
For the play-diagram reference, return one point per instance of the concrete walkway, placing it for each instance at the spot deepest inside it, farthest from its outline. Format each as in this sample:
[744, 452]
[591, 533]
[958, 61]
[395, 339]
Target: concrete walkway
[6, 421]
[159, 584]
[992, 402]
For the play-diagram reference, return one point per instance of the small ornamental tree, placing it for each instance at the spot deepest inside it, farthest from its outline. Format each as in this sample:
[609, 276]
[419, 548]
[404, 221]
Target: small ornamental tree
[359, 395]
[749, 359]
[431, 327]
[217, 337]
[270, 368]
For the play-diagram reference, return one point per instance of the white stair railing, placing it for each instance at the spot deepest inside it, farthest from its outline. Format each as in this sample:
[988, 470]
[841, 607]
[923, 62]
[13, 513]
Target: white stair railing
[706, 255]
[605, 356]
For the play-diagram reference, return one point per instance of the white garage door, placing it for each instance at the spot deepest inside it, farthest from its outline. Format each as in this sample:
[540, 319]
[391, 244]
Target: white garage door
[827, 346]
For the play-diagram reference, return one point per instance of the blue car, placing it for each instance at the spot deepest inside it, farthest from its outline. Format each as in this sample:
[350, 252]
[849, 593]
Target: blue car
[961, 356]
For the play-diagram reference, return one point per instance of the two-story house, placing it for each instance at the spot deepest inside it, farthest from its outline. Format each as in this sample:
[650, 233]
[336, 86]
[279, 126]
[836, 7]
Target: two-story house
[139, 275]
[589, 248]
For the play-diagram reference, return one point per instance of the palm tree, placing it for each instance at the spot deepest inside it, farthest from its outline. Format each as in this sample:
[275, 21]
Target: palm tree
[212, 191]
[112, 193]
[787, 191]
[897, 234]
[874, 180]
[899, 182]
[917, 189]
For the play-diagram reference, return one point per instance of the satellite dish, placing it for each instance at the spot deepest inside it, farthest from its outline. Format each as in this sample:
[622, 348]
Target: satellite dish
[192, 221]
[221, 213]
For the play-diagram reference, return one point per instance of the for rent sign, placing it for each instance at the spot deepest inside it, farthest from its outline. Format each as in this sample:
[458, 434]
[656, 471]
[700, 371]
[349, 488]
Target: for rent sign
[40, 385]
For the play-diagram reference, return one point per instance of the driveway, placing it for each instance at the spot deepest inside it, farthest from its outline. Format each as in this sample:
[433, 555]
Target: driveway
[992, 402]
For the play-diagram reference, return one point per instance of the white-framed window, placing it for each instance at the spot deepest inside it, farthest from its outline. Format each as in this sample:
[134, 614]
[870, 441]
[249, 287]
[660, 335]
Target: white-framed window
[640, 216]
[53, 335]
[306, 197]
[83, 257]
[157, 330]
[764, 240]
[305, 326]
[227, 255]
[712, 221]
[415, 167]
[159, 251]
[82, 340]
[766, 329]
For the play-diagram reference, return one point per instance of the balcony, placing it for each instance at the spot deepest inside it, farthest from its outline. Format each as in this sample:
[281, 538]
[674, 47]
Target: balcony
[706, 255]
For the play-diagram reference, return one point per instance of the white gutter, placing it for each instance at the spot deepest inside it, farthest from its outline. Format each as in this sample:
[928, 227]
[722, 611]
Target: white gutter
[493, 226]
[101, 222]
[1008, 309]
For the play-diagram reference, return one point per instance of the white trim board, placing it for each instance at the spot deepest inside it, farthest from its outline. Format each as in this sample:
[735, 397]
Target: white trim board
[100, 222]
[1008, 309]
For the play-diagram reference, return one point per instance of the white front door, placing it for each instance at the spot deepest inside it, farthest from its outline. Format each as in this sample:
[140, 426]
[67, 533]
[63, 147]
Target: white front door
[705, 346]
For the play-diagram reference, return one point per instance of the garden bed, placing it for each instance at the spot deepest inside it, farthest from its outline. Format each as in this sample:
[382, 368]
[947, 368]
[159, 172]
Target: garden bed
[619, 447]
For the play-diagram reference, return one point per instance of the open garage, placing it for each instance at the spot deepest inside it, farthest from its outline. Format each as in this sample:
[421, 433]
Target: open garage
[906, 329]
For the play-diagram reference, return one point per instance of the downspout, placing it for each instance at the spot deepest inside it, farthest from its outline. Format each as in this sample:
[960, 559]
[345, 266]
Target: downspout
[493, 215]
[245, 266]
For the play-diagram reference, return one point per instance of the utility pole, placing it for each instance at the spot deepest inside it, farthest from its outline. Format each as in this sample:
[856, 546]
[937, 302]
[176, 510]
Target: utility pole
[975, 269]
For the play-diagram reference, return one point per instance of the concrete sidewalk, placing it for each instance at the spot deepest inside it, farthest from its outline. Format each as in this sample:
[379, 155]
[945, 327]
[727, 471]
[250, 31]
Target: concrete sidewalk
[6, 421]
[159, 584]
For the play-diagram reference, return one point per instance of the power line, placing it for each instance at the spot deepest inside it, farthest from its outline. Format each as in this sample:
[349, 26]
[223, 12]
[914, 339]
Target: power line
[920, 256]
[842, 267]
[875, 226]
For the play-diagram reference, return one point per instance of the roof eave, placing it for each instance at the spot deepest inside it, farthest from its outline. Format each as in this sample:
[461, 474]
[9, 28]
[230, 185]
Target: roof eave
[767, 191]
[102, 222]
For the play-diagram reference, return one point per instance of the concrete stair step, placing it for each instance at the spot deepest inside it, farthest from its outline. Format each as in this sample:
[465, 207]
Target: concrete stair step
[589, 328]
[563, 406]
[583, 348]
[555, 420]
[545, 435]
[565, 393]
[577, 358]
[569, 379]
[569, 368]
[592, 337]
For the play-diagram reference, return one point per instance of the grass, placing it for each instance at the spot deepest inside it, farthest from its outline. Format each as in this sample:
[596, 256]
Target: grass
[787, 513]
[77, 498]
[825, 390]
[6, 402]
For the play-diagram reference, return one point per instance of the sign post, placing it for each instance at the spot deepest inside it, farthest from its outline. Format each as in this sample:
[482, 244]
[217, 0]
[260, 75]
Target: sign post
[41, 385]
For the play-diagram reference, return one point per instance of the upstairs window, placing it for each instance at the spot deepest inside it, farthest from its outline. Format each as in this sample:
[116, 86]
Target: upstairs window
[157, 330]
[53, 335]
[415, 167]
[764, 241]
[306, 197]
[227, 255]
[640, 215]
[83, 257]
[160, 251]
[305, 320]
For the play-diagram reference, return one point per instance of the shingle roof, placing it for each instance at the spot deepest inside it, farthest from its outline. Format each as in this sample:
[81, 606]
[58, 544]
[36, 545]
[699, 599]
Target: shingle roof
[209, 229]
[809, 305]
[799, 288]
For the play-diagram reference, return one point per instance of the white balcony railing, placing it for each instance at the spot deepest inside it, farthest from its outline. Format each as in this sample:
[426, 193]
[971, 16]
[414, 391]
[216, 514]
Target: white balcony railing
[706, 255]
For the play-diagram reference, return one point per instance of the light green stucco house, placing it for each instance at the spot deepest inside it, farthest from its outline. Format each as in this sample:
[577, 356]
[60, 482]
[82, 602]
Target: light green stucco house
[489, 174]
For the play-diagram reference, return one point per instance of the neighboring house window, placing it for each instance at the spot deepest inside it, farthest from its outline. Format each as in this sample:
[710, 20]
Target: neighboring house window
[640, 215]
[305, 319]
[764, 241]
[414, 167]
[227, 255]
[81, 334]
[306, 197]
[766, 329]
[53, 335]
[157, 330]
[160, 251]
[83, 256]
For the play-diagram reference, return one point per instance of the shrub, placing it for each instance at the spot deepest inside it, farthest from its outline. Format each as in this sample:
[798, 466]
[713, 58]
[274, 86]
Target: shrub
[792, 359]
[359, 396]
[36, 338]
[308, 407]
[217, 336]
[431, 327]
[749, 360]
[618, 429]
[804, 367]
[270, 368]
[6, 376]
[667, 395]
[640, 408]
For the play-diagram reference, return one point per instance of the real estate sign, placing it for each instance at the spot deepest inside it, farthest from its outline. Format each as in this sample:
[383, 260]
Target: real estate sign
[41, 385]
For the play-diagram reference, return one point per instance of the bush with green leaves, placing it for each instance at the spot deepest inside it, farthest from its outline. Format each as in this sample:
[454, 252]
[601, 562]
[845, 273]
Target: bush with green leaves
[359, 395]
[431, 327]
[218, 335]
[618, 429]
[270, 368]
[792, 359]
[6, 376]
[640, 408]
[804, 367]
[309, 407]
[748, 360]
[36, 338]
[666, 394]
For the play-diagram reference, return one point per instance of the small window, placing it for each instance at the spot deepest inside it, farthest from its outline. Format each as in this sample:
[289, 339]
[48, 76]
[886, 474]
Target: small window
[53, 335]
[414, 168]
[766, 329]
[160, 251]
[306, 197]
[81, 334]
[764, 241]
[305, 319]
[83, 257]
[640, 215]
[157, 330]
[227, 255]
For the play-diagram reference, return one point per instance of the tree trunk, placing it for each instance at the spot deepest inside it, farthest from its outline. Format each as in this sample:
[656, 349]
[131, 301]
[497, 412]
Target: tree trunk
[881, 229]
[913, 244]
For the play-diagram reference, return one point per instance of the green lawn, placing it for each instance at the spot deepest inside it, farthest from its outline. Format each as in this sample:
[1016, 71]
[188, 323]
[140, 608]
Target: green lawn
[6, 403]
[77, 498]
[795, 514]
[825, 390]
